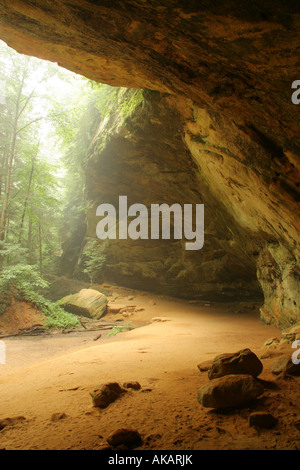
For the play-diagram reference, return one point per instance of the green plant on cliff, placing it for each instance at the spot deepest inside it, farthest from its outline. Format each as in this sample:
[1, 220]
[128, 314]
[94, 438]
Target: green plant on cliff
[21, 282]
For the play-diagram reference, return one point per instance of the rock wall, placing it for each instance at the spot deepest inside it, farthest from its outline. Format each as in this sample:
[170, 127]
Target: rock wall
[231, 70]
[138, 151]
[258, 184]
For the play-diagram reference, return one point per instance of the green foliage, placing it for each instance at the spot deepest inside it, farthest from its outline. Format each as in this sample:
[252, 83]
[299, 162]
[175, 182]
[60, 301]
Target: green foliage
[12, 252]
[22, 282]
[94, 261]
[110, 101]
[120, 329]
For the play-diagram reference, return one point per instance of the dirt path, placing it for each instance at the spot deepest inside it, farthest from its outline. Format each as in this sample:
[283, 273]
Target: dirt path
[50, 386]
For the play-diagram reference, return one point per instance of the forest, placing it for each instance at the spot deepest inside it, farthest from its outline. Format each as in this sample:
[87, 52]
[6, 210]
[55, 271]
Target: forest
[47, 116]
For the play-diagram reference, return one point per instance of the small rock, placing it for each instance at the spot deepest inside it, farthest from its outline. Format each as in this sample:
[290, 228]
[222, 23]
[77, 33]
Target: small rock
[285, 364]
[133, 385]
[106, 394]
[262, 419]
[114, 308]
[128, 437]
[162, 319]
[58, 417]
[11, 421]
[271, 343]
[230, 391]
[241, 362]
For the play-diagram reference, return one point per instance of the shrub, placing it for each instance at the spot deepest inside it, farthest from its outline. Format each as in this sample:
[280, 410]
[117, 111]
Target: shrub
[119, 329]
[21, 282]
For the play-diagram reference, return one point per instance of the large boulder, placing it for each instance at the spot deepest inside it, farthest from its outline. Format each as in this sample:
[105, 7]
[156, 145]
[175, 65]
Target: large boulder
[87, 302]
[241, 362]
[230, 391]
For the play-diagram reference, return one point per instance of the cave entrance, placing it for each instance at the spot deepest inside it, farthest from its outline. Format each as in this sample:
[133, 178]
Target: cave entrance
[149, 344]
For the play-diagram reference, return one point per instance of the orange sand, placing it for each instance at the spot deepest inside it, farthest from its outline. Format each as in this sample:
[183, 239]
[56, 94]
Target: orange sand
[55, 375]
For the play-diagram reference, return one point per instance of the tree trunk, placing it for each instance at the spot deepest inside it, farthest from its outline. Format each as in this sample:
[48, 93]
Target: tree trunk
[11, 160]
[28, 192]
[40, 248]
[30, 259]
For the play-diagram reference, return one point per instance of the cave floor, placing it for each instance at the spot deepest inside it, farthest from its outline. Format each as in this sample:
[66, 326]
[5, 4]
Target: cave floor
[48, 382]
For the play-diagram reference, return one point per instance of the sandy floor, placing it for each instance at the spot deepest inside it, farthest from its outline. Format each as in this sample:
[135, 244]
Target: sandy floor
[49, 375]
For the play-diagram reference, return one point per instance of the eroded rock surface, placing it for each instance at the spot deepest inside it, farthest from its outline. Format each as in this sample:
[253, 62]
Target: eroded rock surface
[242, 362]
[230, 391]
[87, 302]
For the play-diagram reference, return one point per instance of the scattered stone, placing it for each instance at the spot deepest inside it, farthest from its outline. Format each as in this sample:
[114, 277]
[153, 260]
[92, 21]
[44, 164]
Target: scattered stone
[106, 394]
[127, 314]
[204, 366]
[133, 385]
[262, 419]
[130, 297]
[11, 421]
[230, 391]
[58, 417]
[114, 308]
[162, 319]
[285, 364]
[241, 362]
[271, 343]
[291, 334]
[88, 303]
[128, 437]
[127, 310]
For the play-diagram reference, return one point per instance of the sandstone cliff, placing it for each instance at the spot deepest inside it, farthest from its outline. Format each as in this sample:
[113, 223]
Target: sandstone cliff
[229, 71]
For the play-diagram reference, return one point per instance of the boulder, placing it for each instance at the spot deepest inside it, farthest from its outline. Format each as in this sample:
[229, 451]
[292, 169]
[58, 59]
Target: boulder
[88, 303]
[106, 394]
[262, 419]
[241, 362]
[285, 364]
[230, 391]
[128, 437]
